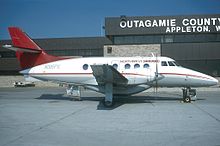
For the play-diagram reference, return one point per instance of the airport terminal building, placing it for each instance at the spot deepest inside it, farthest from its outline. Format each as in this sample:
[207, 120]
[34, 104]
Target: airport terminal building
[192, 40]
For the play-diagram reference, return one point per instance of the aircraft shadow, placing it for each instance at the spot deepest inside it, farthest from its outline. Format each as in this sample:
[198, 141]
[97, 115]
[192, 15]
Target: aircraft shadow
[119, 100]
[53, 97]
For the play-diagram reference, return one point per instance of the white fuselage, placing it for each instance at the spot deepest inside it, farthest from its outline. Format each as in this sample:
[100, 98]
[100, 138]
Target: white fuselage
[140, 72]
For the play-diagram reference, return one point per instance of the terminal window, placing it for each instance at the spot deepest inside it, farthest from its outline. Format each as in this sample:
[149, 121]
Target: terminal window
[109, 50]
[7, 54]
[166, 38]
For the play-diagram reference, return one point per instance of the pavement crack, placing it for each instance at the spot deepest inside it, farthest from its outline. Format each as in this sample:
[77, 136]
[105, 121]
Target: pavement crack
[209, 114]
[44, 126]
[60, 119]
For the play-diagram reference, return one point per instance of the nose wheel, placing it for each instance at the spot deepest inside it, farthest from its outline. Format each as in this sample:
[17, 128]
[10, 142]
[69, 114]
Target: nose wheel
[189, 95]
[187, 99]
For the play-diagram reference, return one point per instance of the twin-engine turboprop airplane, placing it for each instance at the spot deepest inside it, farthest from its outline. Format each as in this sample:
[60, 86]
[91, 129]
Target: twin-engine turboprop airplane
[108, 75]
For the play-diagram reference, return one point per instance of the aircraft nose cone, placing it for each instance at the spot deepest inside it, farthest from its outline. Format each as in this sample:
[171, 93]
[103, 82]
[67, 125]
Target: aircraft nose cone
[214, 81]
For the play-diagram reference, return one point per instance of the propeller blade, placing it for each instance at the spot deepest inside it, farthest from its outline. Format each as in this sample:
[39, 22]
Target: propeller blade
[156, 75]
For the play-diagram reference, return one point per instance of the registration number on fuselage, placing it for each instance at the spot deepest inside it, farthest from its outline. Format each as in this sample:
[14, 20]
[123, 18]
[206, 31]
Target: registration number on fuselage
[52, 66]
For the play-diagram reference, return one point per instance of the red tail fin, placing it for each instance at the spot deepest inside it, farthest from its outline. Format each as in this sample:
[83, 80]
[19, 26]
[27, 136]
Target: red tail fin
[21, 40]
[28, 52]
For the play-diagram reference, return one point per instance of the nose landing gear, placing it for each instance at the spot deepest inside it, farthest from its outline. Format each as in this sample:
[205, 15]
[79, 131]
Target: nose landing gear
[189, 95]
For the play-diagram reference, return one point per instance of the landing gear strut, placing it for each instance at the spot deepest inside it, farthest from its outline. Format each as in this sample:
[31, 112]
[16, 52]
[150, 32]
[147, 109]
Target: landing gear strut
[189, 95]
[74, 92]
[108, 101]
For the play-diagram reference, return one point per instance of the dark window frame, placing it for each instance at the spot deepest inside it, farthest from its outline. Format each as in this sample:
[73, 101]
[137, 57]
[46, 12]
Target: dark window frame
[85, 67]
[127, 66]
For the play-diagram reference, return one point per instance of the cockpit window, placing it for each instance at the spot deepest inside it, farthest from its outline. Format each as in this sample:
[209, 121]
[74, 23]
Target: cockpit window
[171, 63]
[164, 63]
[177, 64]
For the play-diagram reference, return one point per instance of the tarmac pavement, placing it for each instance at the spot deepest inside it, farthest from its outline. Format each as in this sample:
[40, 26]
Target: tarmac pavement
[37, 116]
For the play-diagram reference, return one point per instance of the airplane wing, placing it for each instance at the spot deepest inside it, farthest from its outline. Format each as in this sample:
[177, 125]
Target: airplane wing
[107, 74]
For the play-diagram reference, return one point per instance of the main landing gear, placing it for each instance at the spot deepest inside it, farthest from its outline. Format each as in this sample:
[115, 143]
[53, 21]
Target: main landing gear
[108, 100]
[74, 92]
[189, 95]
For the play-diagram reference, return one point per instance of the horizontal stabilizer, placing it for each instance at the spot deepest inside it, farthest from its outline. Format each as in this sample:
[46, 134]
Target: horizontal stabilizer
[10, 47]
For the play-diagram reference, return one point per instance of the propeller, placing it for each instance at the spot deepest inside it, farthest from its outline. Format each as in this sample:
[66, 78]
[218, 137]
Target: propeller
[156, 76]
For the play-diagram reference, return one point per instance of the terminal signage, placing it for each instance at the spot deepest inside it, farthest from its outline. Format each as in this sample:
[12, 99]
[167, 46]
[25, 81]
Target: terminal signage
[173, 25]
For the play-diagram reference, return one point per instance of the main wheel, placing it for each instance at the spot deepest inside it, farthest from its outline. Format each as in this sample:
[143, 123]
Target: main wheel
[108, 103]
[187, 99]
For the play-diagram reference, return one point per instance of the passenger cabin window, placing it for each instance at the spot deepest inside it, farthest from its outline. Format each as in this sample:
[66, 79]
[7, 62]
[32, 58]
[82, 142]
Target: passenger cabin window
[164, 63]
[115, 66]
[171, 63]
[146, 65]
[136, 66]
[127, 66]
[85, 66]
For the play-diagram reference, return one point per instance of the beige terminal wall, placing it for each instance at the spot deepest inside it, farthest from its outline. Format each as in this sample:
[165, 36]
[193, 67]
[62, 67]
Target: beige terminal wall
[131, 50]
